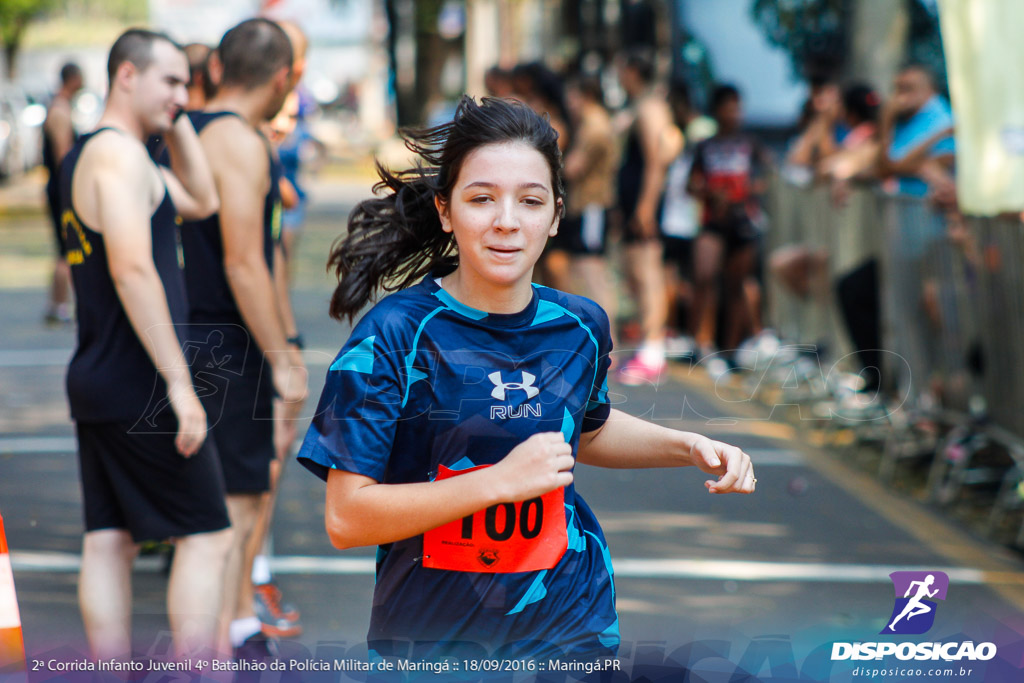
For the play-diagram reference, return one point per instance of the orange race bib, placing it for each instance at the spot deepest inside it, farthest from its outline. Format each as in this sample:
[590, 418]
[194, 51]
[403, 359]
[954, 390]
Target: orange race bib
[509, 537]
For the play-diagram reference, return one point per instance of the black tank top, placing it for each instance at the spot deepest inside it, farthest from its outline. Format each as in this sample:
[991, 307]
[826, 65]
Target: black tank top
[210, 298]
[52, 165]
[111, 377]
[631, 173]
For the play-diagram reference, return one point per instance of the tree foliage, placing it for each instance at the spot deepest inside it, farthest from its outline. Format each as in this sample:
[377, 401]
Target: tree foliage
[925, 41]
[811, 31]
[15, 16]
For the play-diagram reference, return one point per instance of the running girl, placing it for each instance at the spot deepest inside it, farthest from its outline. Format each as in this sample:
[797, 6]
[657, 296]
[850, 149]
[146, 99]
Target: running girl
[452, 418]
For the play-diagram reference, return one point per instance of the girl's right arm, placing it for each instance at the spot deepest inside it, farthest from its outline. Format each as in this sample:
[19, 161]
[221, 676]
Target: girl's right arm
[361, 511]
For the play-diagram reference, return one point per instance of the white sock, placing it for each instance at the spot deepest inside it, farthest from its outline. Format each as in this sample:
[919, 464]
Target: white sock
[653, 353]
[242, 629]
[261, 570]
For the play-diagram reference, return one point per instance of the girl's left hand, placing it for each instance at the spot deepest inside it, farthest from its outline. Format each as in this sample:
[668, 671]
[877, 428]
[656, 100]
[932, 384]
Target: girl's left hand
[735, 470]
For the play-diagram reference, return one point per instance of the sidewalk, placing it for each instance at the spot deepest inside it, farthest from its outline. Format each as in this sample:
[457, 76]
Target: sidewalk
[23, 195]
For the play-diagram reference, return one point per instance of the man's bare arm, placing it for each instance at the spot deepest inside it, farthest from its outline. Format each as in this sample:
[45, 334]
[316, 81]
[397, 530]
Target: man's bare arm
[654, 122]
[242, 173]
[121, 182]
[190, 180]
[61, 131]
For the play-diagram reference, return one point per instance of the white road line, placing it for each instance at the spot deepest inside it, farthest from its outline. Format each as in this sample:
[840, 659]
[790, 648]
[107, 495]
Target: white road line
[775, 456]
[36, 445]
[33, 358]
[740, 570]
[632, 568]
[25, 445]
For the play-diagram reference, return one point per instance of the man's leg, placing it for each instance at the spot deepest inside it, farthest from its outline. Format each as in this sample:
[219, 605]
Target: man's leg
[648, 256]
[243, 510]
[597, 281]
[644, 261]
[739, 314]
[276, 623]
[195, 590]
[709, 253]
[105, 592]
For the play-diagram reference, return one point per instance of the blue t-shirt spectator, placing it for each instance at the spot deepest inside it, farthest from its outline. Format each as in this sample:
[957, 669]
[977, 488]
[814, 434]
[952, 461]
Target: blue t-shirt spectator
[934, 116]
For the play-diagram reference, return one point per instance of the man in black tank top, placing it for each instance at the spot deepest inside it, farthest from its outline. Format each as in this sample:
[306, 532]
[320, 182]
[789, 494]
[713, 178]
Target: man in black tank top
[244, 350]
[58, 136]
[147, 473]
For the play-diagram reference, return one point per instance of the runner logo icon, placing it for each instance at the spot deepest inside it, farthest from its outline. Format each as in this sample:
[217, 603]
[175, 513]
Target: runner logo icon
[501, 387]
[914, 608]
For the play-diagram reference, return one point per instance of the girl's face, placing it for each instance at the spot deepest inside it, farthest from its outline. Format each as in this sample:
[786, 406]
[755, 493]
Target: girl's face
[502, 210]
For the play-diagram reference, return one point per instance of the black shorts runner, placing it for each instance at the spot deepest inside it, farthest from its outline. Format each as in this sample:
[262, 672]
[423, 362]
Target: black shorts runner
[234, 383]
[678, 252]
[585, 234]
[133, 478]
[737, 233]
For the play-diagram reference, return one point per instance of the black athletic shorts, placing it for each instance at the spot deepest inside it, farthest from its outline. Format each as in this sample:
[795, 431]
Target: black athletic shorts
[235, 385]
[133, 478]
[737, 233]
[583, 235]
[678, 252]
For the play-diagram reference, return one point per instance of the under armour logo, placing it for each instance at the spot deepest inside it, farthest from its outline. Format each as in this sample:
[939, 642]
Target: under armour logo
[501, 387]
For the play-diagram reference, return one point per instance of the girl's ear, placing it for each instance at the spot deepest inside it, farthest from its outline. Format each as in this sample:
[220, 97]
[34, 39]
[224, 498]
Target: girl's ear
[442, 213]
[559, 210]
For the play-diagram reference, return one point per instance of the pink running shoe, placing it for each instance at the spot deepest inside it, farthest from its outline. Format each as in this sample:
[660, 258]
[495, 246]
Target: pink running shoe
[636, 372]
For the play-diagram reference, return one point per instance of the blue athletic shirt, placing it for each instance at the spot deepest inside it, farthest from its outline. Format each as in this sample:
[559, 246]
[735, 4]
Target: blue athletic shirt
[426, 381]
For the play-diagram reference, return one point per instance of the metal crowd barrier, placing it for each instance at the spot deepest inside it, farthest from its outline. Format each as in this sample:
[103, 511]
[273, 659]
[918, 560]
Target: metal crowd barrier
[848, 236]
[952, 314]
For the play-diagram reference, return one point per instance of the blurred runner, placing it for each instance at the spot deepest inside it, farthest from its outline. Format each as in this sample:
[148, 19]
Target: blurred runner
[652, 142]
[727, 176]
[680, 222]
[147, 472]
[58, 137]
[590, 166]
[543, 90]
[280, 619]
[231, 261]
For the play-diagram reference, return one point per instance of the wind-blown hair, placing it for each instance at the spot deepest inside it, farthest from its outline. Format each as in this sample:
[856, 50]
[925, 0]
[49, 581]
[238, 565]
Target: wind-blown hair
[395, 240]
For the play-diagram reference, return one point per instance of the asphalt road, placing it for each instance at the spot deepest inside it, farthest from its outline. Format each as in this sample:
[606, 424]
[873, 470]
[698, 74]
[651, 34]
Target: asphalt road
[730, 588]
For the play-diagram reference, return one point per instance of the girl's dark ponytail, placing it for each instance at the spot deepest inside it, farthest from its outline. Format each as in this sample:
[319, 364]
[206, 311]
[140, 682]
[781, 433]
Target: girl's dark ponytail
[392, 242]
[396, 240]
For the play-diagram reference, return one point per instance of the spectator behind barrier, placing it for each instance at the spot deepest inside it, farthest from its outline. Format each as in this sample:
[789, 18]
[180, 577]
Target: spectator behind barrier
[858, 150]
[821, 130]
[916, 137]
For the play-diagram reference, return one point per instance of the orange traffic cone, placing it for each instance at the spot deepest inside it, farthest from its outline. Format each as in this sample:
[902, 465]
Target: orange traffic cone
[12, 645]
